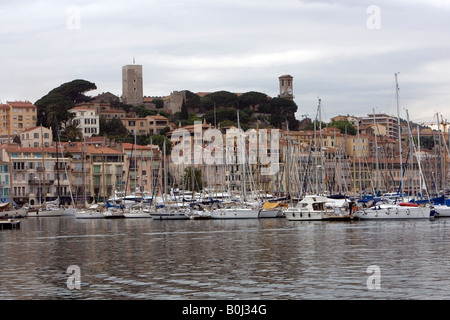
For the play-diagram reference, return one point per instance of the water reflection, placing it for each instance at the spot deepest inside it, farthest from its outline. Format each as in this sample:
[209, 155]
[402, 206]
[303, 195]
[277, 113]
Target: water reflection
[224, 259]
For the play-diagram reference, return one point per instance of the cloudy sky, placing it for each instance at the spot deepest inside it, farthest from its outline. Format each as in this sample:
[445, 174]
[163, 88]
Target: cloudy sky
[344, 52]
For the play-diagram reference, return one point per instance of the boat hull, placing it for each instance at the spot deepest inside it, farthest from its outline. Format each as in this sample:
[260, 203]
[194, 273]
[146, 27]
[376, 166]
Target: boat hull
[394, 212]
[169, 216]
[137, 214]
[304, 215]
[13, 213]
[86, 214]
[45, 213]
[244, 213]
[442, 211]
[270, 213]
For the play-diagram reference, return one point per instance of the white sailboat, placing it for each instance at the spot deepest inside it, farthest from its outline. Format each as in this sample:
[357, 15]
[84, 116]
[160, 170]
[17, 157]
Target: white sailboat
[401, 210]
[442, 210]
[235, 210]
[240, 209]
[7, 210]
[45, 209]
[93, 211]
[170, 212]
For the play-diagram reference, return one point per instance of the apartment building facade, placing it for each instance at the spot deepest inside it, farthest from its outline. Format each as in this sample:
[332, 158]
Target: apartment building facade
[17, 116]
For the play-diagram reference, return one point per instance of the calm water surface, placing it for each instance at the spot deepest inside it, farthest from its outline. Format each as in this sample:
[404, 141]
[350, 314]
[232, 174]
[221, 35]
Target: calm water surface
[225, 259]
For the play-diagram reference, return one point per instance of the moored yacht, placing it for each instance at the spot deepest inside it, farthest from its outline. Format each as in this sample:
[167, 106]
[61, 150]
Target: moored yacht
[311, 207]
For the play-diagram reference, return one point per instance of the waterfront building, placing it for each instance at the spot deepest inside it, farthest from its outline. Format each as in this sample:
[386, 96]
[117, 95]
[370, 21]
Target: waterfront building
[151, 124]
[16, 117]
[32, 137]
[37, 173]
[144, 168]
[389, 122]
[87, 120]
[96, 170]
[5, 194]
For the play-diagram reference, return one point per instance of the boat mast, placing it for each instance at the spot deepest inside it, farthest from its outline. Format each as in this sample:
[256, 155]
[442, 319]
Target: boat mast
[376, 152]
[399, 136]
[44, 204]
[11, 203]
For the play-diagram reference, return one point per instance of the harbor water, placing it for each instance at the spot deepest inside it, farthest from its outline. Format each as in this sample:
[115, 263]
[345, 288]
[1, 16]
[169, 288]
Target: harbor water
[264, 259]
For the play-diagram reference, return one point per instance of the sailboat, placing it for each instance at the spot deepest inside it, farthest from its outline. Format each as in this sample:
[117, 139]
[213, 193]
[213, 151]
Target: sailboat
[312, 206]
[398, 210]
[93, 211]
[241, 209]
[44, 209]
[161, 209]
[137, 210]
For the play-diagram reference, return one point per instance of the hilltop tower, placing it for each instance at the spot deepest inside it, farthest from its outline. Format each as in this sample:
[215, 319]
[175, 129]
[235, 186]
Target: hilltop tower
[286, 87]
[132, 85]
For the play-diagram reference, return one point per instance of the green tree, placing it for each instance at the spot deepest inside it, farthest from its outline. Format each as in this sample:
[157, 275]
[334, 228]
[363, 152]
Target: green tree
[72, 132]
[193, 101]
[224, 99]
[158, 140]
[192, 178]
[52, 109]
[316, 124]
[113, 127]
[159, 103]
[344, 126]
[283, 110]
[184, 114]
[254, 100]
[230, 114]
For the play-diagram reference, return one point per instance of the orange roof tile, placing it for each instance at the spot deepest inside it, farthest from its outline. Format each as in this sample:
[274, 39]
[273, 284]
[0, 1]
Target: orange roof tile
[19, 104]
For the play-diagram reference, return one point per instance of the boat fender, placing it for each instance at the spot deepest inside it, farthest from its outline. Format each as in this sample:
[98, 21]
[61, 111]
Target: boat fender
[355, 208]
[301, 215]
[309, 214]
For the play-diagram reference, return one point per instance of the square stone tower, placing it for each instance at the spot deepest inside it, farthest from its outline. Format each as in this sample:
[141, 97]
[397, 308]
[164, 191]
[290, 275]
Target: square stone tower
[286, 87]
[132, 85]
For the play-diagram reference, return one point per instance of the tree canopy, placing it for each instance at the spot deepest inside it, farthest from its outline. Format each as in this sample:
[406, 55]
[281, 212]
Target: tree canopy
[345, 126]
[52, 109]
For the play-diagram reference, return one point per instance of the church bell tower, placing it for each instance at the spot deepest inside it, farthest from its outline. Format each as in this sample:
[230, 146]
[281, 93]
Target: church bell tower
[286, 87]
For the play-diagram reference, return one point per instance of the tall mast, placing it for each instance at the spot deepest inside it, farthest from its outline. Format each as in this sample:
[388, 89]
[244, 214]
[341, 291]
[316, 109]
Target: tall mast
[11, 204]
[376, 152]
[399, 135]
[44, 204]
